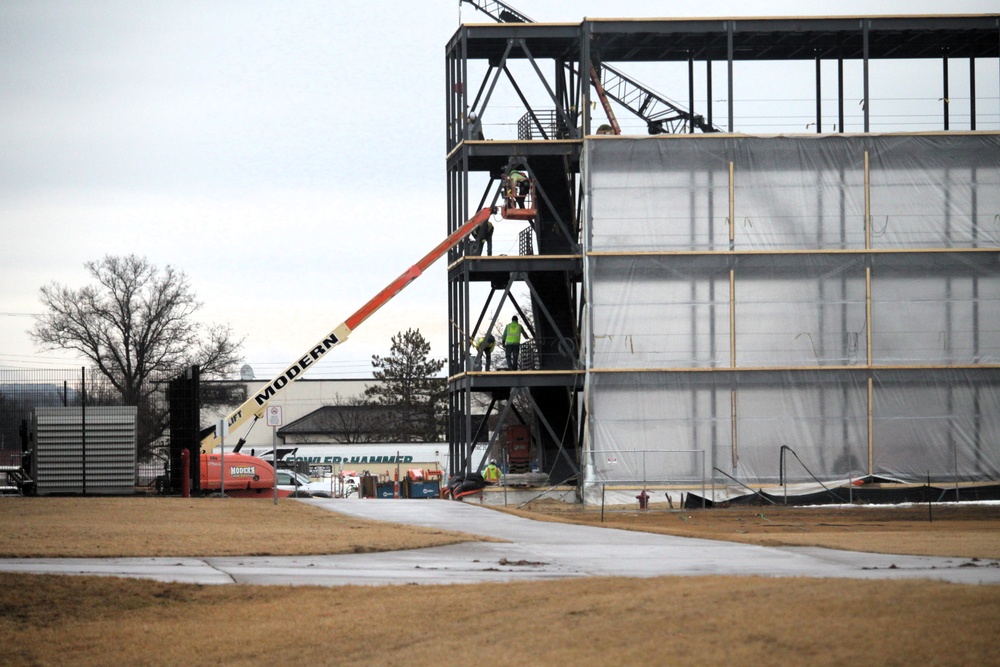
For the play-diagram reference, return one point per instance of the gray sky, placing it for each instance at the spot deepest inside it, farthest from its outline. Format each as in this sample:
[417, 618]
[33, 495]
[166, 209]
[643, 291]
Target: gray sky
[288, 156]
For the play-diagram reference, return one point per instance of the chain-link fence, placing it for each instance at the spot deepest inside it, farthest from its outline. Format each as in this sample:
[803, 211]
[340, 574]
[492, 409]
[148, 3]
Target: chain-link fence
[69, 431]
[621, 473]
[639, 467]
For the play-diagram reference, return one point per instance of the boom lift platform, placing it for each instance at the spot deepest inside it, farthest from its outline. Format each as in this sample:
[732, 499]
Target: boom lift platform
[253, 409]
[518, 198]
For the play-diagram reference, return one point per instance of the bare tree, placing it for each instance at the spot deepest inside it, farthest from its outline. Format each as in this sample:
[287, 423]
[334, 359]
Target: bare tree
[135, 324]
[348, 420]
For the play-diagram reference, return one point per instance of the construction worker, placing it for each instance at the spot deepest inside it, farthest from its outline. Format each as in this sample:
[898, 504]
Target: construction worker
[491, 473]
[517, 188]
[484, 347]
[512, 342]
[475, 127]
[483, 235]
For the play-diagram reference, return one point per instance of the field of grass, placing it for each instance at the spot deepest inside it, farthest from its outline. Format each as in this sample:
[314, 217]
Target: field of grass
[153, 526]
[48, 620]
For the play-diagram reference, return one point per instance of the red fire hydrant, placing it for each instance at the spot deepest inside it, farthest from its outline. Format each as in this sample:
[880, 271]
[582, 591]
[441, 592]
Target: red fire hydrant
[643, 499]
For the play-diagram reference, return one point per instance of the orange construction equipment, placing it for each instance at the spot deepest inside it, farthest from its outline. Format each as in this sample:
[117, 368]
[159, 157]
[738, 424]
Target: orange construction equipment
[253, 409]
[245, 476]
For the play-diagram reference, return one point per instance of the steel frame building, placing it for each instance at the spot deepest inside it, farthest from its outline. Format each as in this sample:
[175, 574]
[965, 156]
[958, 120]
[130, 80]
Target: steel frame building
[541, 65]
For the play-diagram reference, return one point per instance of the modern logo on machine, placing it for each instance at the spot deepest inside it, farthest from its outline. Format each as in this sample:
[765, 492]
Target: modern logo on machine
[296, 369]
[243, 471]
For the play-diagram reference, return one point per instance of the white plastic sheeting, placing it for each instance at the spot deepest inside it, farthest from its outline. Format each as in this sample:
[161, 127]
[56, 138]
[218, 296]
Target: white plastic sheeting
[851, 311]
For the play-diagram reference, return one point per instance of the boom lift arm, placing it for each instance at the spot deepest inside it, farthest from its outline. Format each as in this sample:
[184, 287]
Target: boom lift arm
[659, 114]
[253, 408]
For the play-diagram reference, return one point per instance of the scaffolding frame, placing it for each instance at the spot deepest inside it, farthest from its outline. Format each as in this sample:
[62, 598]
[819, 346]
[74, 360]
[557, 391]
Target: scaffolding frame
[513, 58]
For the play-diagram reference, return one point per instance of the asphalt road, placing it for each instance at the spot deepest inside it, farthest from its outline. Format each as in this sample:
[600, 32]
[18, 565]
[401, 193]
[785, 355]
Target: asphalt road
[534, 550]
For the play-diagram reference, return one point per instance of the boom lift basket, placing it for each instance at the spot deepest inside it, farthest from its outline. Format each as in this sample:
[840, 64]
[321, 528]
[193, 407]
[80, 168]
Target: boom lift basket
[519, 205]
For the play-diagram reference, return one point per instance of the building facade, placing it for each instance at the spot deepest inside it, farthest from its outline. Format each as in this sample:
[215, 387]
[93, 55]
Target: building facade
[716, 307]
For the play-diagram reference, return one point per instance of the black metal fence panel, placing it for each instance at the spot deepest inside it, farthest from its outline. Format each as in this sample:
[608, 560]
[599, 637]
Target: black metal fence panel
[69, 431]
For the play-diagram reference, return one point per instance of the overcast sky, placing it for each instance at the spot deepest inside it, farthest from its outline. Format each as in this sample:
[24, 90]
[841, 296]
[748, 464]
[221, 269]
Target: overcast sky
[288, 156]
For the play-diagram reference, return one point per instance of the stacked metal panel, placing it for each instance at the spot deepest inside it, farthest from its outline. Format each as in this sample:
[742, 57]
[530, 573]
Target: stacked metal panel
[84, 450]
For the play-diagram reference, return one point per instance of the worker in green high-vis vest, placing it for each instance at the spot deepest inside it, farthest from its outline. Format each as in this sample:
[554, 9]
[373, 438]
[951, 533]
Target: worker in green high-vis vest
[512, 342]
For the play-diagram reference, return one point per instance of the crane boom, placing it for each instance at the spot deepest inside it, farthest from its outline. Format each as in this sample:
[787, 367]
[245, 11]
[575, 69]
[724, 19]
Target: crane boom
[654, 109]
[253, 407]
[595, 80]
[500, 12]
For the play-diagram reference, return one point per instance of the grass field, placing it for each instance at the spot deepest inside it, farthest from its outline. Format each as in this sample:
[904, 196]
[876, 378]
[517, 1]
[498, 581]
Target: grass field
[675, 621]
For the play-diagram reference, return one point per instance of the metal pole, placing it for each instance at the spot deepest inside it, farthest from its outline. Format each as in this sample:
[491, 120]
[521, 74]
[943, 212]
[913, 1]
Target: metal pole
[819, 95]
[643, 470]
[945, 93]
[708, 97]
[691, 94]
[222, 460]
[972, 93]
[781, 472]
[954, 449]
[274, 460]
[83, 428]
[703, 499]
[729, 64]
[840, 95]
[865, 79]
[930, 511]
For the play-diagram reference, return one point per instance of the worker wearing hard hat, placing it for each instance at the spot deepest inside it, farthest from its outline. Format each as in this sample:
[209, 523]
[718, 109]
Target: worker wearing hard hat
[484, 348]
[518, 187]
[512, 342]
[491, 473]
[475, 127]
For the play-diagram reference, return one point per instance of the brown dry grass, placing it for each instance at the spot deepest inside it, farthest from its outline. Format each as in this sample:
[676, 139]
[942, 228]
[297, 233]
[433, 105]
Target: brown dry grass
[600, 621]
[961, 531]
[676, 621]
[99, 527]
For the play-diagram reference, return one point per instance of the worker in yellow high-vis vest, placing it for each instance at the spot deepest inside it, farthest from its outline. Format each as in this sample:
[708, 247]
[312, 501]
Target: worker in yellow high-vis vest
[512, 342]
[491, 473]
[484, 348]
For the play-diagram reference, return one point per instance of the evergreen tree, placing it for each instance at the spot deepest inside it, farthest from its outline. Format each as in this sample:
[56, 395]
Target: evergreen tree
[406, 381]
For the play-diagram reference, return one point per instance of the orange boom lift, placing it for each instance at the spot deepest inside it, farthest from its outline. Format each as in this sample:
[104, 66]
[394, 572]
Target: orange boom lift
[253, 409]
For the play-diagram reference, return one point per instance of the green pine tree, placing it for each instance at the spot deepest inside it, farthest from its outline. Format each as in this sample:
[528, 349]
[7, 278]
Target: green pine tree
[406, 381]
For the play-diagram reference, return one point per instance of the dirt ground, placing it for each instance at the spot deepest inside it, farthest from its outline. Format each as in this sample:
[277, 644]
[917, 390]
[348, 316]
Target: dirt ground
[52, 620]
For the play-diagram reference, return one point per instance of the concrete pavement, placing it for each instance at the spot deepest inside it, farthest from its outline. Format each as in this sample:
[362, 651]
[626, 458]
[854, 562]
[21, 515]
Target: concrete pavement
[536, 550]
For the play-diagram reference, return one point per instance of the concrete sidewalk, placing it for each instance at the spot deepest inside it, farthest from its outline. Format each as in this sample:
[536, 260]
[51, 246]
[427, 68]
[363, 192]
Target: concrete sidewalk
[536, 550]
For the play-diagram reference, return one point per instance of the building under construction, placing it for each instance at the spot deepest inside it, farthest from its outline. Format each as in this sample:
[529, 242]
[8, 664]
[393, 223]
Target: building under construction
[718, 308]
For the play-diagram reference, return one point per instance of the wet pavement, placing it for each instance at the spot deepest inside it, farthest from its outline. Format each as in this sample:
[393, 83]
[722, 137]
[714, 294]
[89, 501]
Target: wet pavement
[534, 550]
